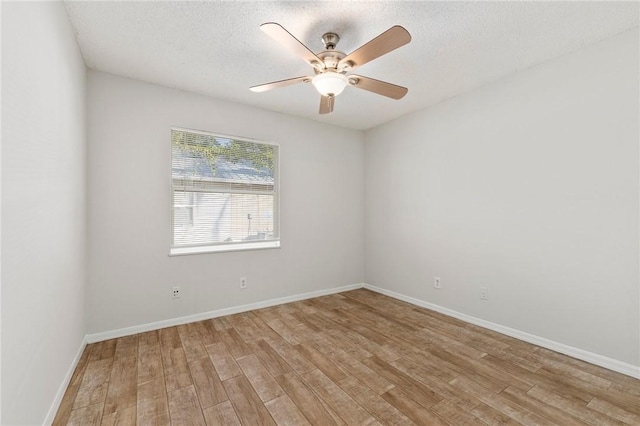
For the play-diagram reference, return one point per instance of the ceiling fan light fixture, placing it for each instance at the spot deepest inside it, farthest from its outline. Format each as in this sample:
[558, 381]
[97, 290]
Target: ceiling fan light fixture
[330, 83]
[331, 65]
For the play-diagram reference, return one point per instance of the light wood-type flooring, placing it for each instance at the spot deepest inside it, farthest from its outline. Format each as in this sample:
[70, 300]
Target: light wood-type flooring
[351, 358]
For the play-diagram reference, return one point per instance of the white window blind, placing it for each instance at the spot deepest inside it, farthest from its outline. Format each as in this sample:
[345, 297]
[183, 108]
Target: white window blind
[224, 192]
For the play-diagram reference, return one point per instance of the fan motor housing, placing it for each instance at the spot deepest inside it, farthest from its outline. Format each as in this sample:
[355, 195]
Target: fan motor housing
[330, 58]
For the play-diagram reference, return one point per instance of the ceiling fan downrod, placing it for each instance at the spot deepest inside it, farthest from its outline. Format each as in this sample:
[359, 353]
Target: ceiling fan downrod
[330, 40]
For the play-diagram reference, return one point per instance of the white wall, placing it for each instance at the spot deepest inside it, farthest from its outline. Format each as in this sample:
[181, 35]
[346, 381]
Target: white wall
[130, 272]
[43, 207]
[529, 187]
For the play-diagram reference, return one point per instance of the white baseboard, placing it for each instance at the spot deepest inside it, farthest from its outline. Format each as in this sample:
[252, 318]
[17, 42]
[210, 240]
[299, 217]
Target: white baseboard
[53, 410]
[593, 358]
[128, 331]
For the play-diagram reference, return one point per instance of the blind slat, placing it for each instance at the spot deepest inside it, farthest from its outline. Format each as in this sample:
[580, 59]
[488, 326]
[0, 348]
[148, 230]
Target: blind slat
[224, 190]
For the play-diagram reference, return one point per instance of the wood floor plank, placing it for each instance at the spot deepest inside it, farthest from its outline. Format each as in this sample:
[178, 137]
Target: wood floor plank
[87, 415]
[306, 400]
[547, 354]
[443, 369]
[320, 320]
[154, 389]
[170, 338]
[322, 362]
[304, 307]
[174, 361]
[191, 342]
[563, 387]
[303, 318]
[64, 411]
[208, 333]
[390, 343]
[207, 383]
[341, 340]
[496, 379]
[176, 369]
[126, 347]
[221, 323]
[234, 342]
[619, 381]
[292, 357]
[348, 409]
[102, 350]
[334, 301]
[285, 412]
[382, 332]
[223, 361]
[626, 397]
[498, 402]
[245, 326]
[373, 403]
[352, 358]
[285, 331]
[266, 333]
[270, 358]
[443, 389]
[493, 417]
[184, 408]
[554, 415]
[263, 383]
[522, 358]
[572, 406]
[122, 385]
[221, 414]
[614, 411]
[347, 362]
[379, 384]
[457, 332]
[124, 417]
[627, 386]
[246, 402]
[95, 383]
[452, 414]
[566, 385]
[149, 357]
[412, 409]
[370, 346]
[267, 314]
[152, 405]
[302, 330]
[425, 395]
[123, 382]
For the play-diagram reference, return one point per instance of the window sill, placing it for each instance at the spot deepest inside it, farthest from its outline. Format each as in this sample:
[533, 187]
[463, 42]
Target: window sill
[181, 251]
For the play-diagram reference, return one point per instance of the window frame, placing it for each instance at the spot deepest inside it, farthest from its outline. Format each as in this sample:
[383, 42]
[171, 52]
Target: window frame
[225, 246]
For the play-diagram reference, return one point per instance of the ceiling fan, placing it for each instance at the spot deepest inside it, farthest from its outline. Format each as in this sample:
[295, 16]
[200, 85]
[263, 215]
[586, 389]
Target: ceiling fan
[331, 66]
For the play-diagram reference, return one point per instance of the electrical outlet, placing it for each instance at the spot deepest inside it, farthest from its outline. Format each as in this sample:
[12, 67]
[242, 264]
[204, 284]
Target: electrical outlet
[436, 282]
[243, 282]
[484, 293]
[176, 293]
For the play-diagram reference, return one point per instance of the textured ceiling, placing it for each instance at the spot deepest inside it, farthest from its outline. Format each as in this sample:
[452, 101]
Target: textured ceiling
[217, 48]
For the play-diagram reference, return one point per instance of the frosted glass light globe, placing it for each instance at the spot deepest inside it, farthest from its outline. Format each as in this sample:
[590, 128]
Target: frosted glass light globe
[329, 83]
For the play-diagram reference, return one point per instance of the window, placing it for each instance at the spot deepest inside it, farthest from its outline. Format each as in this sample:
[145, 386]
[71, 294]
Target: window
[224, 193]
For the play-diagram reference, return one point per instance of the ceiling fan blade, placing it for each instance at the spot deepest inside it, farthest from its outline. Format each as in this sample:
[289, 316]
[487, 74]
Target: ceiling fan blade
[281, 83]
[376, 86]
[285, 38]
[326, 104]
[389, 40]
